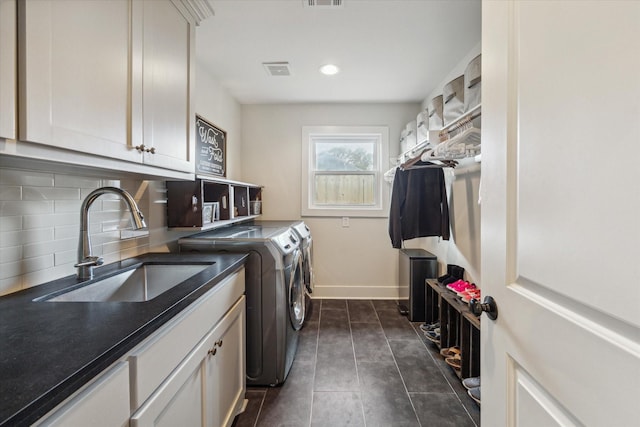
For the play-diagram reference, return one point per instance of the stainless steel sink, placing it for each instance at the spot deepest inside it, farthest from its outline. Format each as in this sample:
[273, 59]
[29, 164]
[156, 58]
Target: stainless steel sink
[140, 284]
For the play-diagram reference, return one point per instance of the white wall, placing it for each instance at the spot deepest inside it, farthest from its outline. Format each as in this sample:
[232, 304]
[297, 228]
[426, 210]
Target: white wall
[462, 188]
[354, 262]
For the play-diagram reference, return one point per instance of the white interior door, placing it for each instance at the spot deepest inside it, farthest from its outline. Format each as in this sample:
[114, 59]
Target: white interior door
[561, 212]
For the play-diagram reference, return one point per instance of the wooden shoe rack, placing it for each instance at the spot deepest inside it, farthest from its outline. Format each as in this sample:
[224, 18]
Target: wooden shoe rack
[458, 325]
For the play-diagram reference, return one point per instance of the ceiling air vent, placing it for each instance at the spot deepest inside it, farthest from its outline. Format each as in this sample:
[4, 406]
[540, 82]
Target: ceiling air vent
[277, 68]
[322, 3]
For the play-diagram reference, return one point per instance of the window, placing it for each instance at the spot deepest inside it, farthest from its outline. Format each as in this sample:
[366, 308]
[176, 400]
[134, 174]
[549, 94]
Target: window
[343, 170]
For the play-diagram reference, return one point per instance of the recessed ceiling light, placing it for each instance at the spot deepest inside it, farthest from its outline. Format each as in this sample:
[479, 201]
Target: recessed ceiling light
[329, 69]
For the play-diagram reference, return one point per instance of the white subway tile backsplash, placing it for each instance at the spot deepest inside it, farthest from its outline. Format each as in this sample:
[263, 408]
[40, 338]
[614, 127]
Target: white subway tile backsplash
[102, 216]
[39, 249]
[37, 263]
[10, 285]
[63, 206]
[11, 269]
[10, 193]
[67, 232]
[21, 207]
[25, 177]
[50, 193]
[17, 238]
[102, 238]
[50, 220]
[66, 257]
[77, 182]
[10, 254]
[10, 223]
[111, 225]
[42, 276]
[138, 250]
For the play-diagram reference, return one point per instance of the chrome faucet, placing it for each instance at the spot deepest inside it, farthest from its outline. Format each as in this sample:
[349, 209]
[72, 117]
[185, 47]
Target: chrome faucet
[87, 261]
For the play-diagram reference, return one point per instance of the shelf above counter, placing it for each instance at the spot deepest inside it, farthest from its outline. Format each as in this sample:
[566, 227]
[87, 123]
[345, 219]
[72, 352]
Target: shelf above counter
[207, 203]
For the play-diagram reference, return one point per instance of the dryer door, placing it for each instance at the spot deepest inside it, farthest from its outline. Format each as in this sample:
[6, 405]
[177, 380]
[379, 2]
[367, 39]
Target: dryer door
[308, 267]
[296, 291]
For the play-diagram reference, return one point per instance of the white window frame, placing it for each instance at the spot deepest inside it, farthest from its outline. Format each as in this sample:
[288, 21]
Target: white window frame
[380, 208]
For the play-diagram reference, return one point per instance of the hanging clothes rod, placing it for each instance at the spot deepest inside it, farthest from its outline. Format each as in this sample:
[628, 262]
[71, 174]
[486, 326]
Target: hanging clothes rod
[430, 165]
[470, 115]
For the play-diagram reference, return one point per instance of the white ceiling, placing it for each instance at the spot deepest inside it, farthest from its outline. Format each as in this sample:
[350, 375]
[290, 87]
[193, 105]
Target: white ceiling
[387, 50]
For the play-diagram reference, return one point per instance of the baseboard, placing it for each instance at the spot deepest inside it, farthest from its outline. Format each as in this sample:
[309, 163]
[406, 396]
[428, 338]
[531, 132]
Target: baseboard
[360, 292]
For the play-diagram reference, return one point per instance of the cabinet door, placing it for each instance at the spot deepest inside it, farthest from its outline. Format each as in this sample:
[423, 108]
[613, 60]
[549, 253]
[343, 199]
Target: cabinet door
[163, 74]
[198, 391]
[8, 33]
[104, 402]
[178, 401]
[74, 75]
[225, 383]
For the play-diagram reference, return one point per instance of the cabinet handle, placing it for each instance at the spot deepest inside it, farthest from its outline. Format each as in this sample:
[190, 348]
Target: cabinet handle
[219, 343]
[212, 352]
[143, 147]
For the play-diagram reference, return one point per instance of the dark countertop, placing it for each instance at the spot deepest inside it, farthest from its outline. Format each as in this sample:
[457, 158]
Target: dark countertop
[48, 350]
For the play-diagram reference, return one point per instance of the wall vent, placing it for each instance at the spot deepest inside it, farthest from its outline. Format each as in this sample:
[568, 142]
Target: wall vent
[323, 3]
[277, 68]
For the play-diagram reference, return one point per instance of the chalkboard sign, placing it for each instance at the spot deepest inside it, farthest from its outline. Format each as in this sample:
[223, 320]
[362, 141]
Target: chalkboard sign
[210, 148]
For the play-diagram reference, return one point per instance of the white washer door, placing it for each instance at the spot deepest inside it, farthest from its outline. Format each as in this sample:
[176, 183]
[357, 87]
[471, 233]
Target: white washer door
[295, 292]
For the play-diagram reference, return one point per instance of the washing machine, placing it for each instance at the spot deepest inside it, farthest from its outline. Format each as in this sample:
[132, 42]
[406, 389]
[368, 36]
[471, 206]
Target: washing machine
[275, 293]
[303, 232]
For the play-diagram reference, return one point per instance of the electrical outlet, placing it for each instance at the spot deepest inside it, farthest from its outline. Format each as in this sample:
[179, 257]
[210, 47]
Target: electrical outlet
[345, 221]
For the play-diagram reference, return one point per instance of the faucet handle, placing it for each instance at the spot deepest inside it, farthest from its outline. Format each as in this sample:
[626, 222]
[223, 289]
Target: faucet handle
[90, 261]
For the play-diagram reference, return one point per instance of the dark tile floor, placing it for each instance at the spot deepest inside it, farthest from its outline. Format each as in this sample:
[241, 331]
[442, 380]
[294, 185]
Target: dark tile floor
[361, 363]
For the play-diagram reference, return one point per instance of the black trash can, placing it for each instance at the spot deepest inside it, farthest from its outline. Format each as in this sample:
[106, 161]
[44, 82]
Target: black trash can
[415, 266]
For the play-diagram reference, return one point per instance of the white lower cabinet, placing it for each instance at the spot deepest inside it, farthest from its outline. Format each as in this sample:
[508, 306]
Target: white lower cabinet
[224, 372]
[103, 402]
[207, 388]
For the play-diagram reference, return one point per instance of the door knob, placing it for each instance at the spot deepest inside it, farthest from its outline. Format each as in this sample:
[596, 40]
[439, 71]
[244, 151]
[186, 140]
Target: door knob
[488, 305]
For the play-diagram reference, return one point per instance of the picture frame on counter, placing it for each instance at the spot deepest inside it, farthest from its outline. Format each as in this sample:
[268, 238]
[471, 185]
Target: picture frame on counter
[211, 142]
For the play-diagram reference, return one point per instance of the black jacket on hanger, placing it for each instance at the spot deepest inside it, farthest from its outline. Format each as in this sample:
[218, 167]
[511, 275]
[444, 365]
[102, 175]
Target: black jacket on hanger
[419, 205]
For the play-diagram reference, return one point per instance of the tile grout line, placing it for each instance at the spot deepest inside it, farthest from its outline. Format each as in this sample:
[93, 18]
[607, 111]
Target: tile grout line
[355, 362]
[438, 365]
[395, 362]
[315, 362]
[264, 397]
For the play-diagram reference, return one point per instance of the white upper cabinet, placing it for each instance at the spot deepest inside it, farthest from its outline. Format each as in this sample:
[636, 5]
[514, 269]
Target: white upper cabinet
[8, 33]
[163, 48]
[110, 78]
[74, 75]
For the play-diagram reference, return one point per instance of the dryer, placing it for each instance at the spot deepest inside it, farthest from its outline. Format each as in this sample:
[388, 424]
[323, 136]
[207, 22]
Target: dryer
[303, 232]
[274, 291]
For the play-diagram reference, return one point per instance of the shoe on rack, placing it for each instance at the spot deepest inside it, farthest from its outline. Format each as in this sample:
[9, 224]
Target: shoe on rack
[468, 294]
[470, 287]
[470, 383]
[426, 327]
[475, 394]
[452, 271]
[460, 286]
[450, 279]
[454, 361]
[433, 336]
[449, 352]
[457, 271]
[454, 285]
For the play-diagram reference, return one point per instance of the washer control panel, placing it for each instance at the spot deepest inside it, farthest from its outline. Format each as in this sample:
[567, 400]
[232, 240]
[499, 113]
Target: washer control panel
[287, 242]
